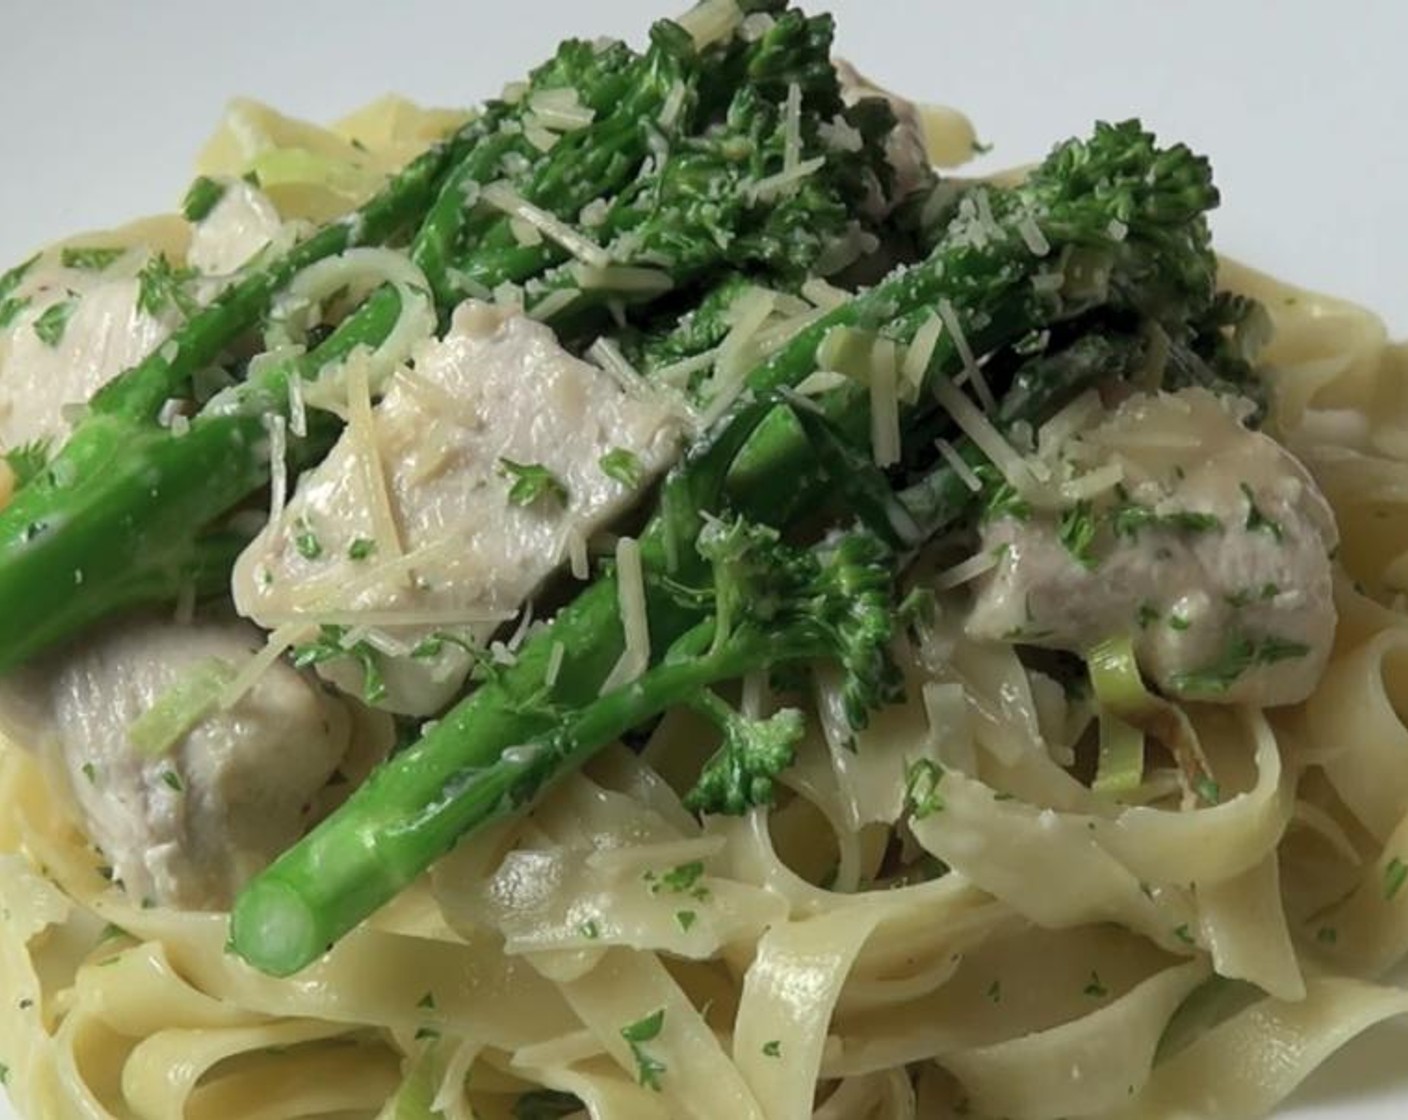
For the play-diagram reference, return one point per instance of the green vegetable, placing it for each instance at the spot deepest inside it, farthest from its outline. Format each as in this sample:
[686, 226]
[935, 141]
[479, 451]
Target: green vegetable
[637, 1034]
[50, 325]
[921, 790]
[1395, 875]
[458, 775]
[91, 259]
[1077, 533]
[180, 707]
[532, 482]
[161, 287]
[1241, 653]
[28, 460]
[1258, 522]
[1129, 519]
[623, 466]
[772, 1048]
[332, 645]
[204, 195]
[754, 753]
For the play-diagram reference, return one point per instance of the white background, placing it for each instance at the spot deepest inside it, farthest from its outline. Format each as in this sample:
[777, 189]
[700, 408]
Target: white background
[1303, 107]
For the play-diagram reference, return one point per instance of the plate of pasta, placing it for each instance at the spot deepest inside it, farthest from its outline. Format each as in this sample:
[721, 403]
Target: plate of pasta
[684, 589]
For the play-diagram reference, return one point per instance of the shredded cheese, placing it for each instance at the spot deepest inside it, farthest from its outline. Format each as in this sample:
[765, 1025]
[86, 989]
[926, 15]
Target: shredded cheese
[553, 304]
[977, 427]
[297, 410]
[711, 21]
[630, 591]
[773, 186]
[884, 404]
[278, 467]
[958, 465]
[965, 355]
[737, 351]
[623, 278]
[792, 129]
[824, 295]
[259, 663]
[577, 553]
[819, 382]
[554, 666]
[361, 430]
[409, 616]
[1076, 416]
[1032, 236]
[560, 110]
[967, 571]
[921, 353]
[504, 198]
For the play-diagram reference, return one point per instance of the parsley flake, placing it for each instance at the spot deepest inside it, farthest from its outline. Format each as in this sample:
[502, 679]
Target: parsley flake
[531, 482]
[173, 780]
[1077, 533]
[773, 1048]
[161, 286]
[307, 543]
[50, 326]
[91, 259]
[1395, 875]
[648, 1068]
[686, 919]
[624, 466]
[921, 788]
[205, 194]
[1095, 989]
[361, 548]
[1241, 653]
[1258, 522]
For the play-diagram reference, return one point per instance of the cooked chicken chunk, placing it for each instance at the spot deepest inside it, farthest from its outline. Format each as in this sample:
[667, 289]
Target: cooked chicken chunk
[187, 826]
[490, 463]
[1212, 551]
[51, 366]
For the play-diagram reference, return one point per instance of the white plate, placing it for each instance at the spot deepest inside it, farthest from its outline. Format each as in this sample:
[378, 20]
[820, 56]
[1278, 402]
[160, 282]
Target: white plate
[1300, 105]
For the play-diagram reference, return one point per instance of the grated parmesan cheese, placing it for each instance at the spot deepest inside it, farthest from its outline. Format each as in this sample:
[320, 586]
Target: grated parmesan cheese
[553, 304]
[711, 21]
[967, 571]
[630, 591]
[959, 465]
[297, 409]
[560, 110]
[504, 198]
[772, 187]
[1032, 236]
[361, 429]
[278, 467]
[977, 427]
[554, 666]
[921, 353]
[965, 355]
[884, 403]
[259, 663]
[792, 129]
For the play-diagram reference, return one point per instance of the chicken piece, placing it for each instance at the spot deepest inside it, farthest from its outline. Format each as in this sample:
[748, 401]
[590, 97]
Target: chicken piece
[187, 826]
[43, 380]
[1212, 552]
[453, 553]
[238, 227]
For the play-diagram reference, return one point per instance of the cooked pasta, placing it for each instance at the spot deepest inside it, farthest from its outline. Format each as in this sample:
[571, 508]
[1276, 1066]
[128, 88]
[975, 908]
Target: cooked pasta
[967, 907]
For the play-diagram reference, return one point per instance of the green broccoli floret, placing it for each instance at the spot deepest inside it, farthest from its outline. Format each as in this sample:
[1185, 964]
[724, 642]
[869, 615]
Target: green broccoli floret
[754, 752]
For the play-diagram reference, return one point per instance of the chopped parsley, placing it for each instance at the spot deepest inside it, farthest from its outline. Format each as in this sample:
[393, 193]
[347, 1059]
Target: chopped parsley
[50, 326]
[1006, 502]
[91, 773]
[1148, 614]
[1327, 935]
[623, 465]
[330, 645]
[427, 1033]
[1208, 791]
[1258, 522]
[995, 991]
[204, 195]
[427, 1001]
[93, 259]
[361, 548]
[306, 542]
[10, 304]
[4, 1074]
[1178, 622]
[683, 879]
[173, 780]
[773, 1048]
[1249, 595]
[1395, 875]
[589, 929]
[1184, 935]
[531, 482]
[1241, 653]
[161, 286]
[1095, 989]
[1077, 533]
[686, 919]
[1129, 519]
[921, 788]
[648, 1069]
